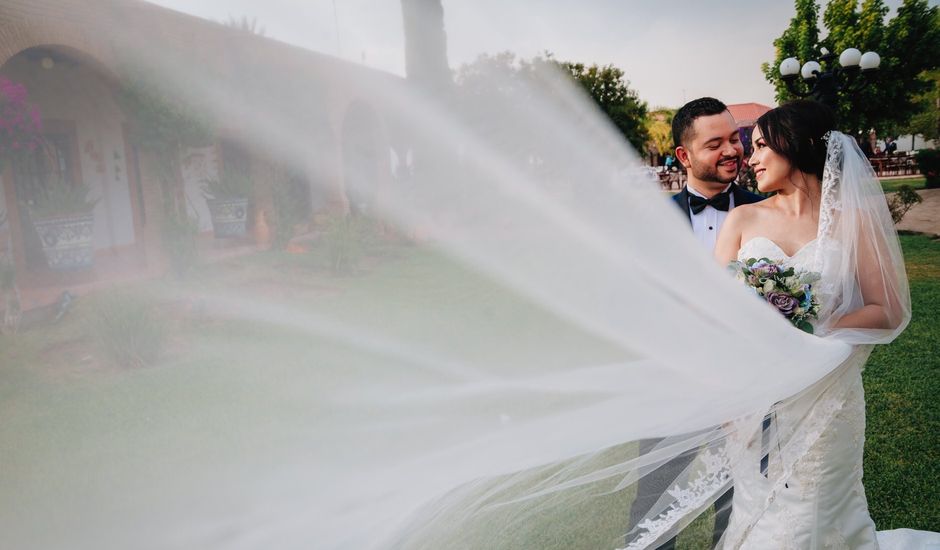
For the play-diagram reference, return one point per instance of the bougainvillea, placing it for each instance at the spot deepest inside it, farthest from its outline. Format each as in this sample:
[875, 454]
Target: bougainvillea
[20, 122]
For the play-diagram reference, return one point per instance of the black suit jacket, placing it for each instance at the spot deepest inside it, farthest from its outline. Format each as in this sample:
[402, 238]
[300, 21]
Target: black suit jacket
[741, 196]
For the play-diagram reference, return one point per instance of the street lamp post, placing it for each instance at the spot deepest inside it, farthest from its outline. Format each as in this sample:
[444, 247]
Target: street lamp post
[825, 86]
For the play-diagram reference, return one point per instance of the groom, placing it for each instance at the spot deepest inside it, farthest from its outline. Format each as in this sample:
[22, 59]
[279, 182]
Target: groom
[709, 147]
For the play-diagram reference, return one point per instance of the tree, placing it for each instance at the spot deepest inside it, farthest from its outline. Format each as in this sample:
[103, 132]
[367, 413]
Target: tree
[927, 122]
[798, 40]
[604, 84]
[909, 44]
[428, 70]
[659, 128]
[913, 37]
[612, 94]
[426, 44]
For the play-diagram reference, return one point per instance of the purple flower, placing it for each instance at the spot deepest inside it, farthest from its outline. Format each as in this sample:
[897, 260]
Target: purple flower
[765, 269]
[15, 93]
[785, 303]
[20, 123]
[36, 118]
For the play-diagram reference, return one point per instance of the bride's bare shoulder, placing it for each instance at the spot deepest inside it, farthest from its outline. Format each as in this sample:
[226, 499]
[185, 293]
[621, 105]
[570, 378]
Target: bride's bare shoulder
[746, 213]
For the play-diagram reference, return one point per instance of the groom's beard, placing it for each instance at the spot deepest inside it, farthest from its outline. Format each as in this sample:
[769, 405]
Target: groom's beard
[710, 173]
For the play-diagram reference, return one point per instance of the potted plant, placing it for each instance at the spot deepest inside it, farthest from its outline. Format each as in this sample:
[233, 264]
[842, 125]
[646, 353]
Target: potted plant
[63, 216]
[227, 198]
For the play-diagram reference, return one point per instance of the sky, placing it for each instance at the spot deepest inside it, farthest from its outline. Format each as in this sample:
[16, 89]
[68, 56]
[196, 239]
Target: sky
[671, 51]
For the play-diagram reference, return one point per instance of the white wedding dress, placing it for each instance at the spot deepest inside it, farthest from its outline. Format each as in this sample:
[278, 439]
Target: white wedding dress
[811, 496]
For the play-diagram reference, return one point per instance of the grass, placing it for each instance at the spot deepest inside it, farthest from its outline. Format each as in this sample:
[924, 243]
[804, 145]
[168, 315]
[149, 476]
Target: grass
[890, 185]
[902, 382]
[208, 396]
[129, 330]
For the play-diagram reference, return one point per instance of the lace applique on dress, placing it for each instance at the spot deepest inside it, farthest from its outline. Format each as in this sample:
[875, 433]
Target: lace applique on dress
[697, 494]
[815, 490]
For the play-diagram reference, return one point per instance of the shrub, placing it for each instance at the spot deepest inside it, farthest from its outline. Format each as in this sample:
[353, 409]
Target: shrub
[902, 201]
[179, 241]
[928, 160]
[291, 205]
[129, 331]
[346, 238]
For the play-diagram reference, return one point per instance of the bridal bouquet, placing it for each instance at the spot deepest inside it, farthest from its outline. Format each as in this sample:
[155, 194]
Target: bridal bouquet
[791, 292]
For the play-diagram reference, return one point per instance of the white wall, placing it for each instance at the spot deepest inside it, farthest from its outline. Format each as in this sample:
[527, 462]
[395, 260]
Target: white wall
[904, 143]
[198, 165]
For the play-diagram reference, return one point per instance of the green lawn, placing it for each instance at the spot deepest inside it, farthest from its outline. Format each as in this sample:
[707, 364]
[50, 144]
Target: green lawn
[891, 185]
[902, 384]
[60, 398]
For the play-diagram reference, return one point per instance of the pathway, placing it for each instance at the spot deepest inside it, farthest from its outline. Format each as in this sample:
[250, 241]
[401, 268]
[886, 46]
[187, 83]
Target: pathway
[924, 217]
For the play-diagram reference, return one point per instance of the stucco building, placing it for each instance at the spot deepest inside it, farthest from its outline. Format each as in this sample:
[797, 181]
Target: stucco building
[277, 112]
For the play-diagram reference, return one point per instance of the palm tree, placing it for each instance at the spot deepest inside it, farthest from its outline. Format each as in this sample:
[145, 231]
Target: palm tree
[659, 126]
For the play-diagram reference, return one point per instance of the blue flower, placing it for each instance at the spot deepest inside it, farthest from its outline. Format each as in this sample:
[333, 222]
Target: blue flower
[807, 297]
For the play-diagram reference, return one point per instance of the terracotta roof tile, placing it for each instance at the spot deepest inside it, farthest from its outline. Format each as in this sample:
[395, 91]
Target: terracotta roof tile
[746, 114]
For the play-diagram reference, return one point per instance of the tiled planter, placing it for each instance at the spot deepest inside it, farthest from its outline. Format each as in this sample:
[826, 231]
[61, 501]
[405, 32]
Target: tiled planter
[67, 241]
[229, 217]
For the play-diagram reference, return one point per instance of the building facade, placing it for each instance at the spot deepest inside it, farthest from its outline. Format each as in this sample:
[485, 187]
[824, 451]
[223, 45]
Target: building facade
[276, 113]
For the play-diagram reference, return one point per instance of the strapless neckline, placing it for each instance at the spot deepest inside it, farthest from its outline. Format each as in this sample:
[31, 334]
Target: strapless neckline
[777, 246]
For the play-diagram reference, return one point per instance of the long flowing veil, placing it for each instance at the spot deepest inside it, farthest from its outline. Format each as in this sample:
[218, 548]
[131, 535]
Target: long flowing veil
[859, 252]
[540, 308]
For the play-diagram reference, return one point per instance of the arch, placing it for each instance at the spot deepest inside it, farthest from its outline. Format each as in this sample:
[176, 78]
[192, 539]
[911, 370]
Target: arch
[84, 143]
[67, 38]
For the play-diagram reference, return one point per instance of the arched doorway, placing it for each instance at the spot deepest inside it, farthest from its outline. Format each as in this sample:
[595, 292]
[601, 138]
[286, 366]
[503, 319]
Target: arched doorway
[82, 144]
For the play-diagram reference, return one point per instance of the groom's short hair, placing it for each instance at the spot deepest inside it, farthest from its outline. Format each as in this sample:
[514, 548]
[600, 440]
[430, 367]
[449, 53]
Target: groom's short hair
[686, 115]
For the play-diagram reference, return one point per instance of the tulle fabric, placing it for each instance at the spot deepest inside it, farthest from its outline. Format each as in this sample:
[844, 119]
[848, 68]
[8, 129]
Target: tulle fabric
[860, 254]
[574, 318]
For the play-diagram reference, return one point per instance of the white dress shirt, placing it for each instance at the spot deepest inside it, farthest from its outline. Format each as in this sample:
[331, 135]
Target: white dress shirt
[707, 223]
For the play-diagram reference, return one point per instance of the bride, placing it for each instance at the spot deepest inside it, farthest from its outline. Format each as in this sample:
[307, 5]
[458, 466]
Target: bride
[827, 216]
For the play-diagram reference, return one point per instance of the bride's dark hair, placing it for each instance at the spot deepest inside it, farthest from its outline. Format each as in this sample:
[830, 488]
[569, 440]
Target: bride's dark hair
[796, 130]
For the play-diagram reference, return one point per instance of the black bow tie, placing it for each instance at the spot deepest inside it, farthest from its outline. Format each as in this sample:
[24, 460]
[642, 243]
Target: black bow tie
[721, 201]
